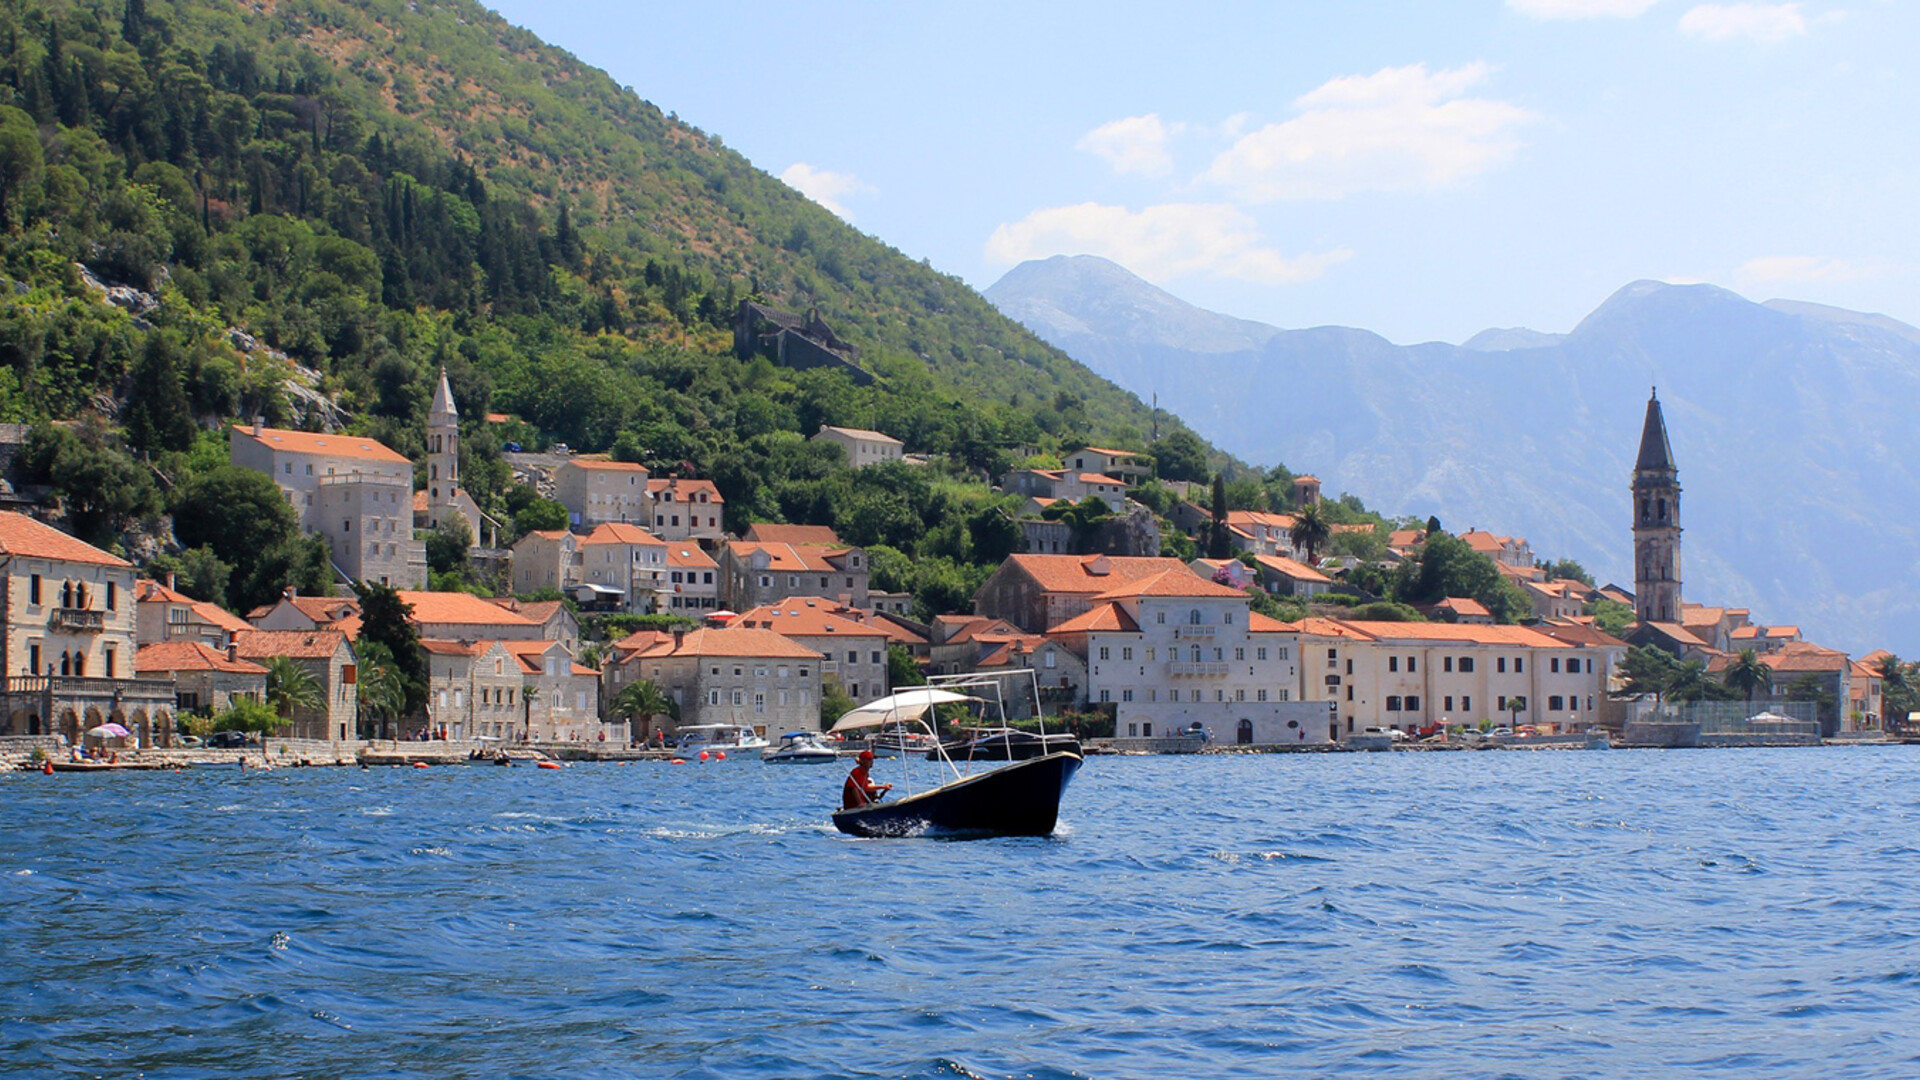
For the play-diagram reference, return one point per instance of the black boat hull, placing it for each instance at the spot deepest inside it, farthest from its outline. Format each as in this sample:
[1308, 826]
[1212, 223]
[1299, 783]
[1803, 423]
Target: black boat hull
[993, 748]
[1022, 799]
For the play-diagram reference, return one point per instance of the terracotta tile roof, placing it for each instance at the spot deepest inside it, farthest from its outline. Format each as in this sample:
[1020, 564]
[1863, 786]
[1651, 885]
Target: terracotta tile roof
[1582, 634]
[980, 626]
[499, 418]
[1267, 624]
[1298, 571]
[1742, 633]
[458, 609]
[26, 538]
[689, 556]
[604, 465]
[1098, 478]
[685, 487]
[1464, 605]
[1244, 518]
[1306, 476]
[620, 532]
[1862, 671]
[309, 442]
[1678, 634]
[790, 557]
[1313, 626]
[810, 616]
[1338, 528]
[1794, 658]
[1107, 452]
[743, 642]
[1076, 573]
[1701, 615]
[1783, 632]
[297, 644]
[1406, 538]
[323, 610]
[1485, 542]
[189, 656]
[1875, 656]
[768, 533]
[1466, 633]
[448, 647]
[148, 591]
[1108, 617]
[1179, 582]
[532, 610]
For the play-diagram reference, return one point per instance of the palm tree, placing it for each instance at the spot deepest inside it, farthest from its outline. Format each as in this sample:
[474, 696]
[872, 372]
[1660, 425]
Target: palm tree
[1310, 530]
[291, 687]
[1747, 674]
[644, 699]
[381, 693]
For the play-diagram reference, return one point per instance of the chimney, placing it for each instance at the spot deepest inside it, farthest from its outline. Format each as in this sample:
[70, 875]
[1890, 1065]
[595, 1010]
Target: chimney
[289, 593]
[233, 651]
[679, 636]
[259, 425]
[169, 581]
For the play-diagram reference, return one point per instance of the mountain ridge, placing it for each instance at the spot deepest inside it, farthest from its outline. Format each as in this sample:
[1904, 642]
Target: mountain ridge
[1795, 455]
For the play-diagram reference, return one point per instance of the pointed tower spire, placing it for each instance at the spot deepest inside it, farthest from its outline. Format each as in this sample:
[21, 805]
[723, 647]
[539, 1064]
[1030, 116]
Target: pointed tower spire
[1655, 451]
[443, 398]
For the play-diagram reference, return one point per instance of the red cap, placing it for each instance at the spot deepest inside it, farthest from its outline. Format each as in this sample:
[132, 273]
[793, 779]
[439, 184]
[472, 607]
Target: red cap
[866, 755]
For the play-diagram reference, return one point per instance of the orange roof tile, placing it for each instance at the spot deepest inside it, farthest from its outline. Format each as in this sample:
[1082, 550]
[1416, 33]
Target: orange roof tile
[26, 538]
[1313, 626]
[1582, 634]
[863, 433]
[1180, 582]
[448, 647]
[1108, 617]
[1260, 517]
[532, 610]
[1098, 478]
[769, 533]
[1107, 452]
[1076, 573]
[810, 616]
[1464, 605]
[620, 532]
[459, 608]
[1298, 571]
[811, 557]
[297, 644]
[743, 642]
[603, 465]
[685, 487]
[689, 556]
[1468, 633]
[309, 442]
[1267, 624]
[189, 656]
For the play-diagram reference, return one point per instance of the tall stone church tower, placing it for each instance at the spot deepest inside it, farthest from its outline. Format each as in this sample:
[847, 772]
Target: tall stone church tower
[1656, 523]
[443, 454]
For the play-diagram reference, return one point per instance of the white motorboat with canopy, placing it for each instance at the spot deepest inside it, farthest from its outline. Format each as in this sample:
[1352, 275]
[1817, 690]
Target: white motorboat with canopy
[1019, 799]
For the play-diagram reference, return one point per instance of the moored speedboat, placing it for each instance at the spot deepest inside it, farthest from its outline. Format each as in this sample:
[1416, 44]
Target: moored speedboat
[714, 739]
[800, 748]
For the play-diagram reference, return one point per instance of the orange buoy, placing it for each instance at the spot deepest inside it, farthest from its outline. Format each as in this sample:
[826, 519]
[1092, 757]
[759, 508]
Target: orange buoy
[47, 767]
[720, 755]
[548, 764]
[677, 761]
[419, 764]
[704, 755]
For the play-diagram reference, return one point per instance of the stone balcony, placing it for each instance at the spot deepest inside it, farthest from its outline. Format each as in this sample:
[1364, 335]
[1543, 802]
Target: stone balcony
[76, 621]
[1197, 667]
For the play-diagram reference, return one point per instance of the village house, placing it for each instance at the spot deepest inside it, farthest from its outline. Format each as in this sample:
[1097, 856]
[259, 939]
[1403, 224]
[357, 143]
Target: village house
[623, 567]
[1067, 485]
[736, 676]
[596, 491]
[206, 680]
[323, 654]
[70, 638]
[164, 614]
[1714, 625]
[974, 644]
[560, 695]
[1562, 598]
[1281, 576]
[295, 612]
[1799, 667]
[356, 492]
[1038, 592]
[694, 579]
[1229, 572]
[1123, 465]
[475, 690]
[1407, 676]
[862, 447]
[1505, 550]
[687, 509]
[1463, 609]
[555, 620]
[546, 559]
[852, 644]
[754, 574]
[1170, 650]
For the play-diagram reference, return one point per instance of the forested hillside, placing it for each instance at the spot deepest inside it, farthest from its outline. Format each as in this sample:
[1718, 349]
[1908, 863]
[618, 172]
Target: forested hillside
[321, 203]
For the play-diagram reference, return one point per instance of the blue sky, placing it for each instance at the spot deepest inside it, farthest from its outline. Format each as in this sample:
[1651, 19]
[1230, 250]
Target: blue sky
[1422, 170]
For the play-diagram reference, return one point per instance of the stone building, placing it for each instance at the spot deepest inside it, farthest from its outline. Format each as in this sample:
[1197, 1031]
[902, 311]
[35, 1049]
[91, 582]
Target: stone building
[355, 492]
[205, 680]
[1656, 523]
[753, 574]
[328, 657]
[735, 676]
[794, 341]
[862, 446]
[687, 509]
[596, 491]
[852, 643]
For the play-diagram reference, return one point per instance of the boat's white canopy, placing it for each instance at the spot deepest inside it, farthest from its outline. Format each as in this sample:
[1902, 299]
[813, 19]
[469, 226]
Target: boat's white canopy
[905, 705]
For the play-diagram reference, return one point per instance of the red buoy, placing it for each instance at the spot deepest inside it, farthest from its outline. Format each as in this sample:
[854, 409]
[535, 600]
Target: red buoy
[548, 764]
[704, 755]
[720, 755]
[419, 764]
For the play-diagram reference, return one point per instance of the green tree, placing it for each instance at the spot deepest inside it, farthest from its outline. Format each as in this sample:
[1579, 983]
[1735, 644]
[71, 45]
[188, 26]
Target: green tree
[902, 668]
[242, 519]
[540, 515]
[644, 700]
[1898, 685]
[382, 696]
[246, 714]
[1219, 540]
[1570, 570]
[834, 702]
[1649, 671]
[1181, 455]
[158, 417]
[1611, 616]
[447, 545]
[291, 687]
[1747, 676]
[21, 164]
[1310, 530]
[101, 488]
[386, 620]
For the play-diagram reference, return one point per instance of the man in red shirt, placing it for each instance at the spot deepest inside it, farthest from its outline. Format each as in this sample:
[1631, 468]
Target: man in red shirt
[860, 789]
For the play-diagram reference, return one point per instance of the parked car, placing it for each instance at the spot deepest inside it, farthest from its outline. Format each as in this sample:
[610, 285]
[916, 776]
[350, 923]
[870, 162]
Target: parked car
[1392, 733]
[192, 742]
[231, 740]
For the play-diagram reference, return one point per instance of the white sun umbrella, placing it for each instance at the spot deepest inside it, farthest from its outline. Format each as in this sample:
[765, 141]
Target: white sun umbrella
[905, 705]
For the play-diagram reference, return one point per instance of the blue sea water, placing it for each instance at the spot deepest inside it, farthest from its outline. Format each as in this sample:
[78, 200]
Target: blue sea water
[1643, 914]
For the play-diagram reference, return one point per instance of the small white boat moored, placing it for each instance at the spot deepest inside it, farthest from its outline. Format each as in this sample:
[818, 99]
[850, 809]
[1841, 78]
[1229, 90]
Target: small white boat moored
[718, 739]
[800, 748]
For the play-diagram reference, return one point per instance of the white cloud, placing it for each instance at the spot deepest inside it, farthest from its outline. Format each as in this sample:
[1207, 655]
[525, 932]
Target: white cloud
[1581, 9]
[1397, 129]
[823, 187]
[1137, 144]
[1765, 23]
[1775, 269]
[1160, 242]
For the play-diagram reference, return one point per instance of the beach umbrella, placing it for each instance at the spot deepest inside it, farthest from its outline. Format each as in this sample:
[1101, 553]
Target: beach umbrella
[108, 731]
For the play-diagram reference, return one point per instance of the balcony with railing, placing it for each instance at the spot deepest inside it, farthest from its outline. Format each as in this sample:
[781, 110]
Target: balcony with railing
[77, 621]
[1197, 667]
[1193, 632]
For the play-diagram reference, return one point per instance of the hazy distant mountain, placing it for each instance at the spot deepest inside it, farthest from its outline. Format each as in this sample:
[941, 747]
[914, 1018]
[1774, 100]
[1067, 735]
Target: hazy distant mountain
[1793, 424]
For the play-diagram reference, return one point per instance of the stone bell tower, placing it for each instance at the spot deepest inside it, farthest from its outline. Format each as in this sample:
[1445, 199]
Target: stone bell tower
[443, 454]
[1656, 523]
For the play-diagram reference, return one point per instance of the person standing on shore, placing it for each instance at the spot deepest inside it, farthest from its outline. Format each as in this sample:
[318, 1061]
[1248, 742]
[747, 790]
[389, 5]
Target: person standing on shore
[860, 790]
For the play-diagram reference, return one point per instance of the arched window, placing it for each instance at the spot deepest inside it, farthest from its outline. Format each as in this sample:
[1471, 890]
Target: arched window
[1196, 654]
[66, 663]
[1244, 735]
[66, 594]
[1193, 617]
